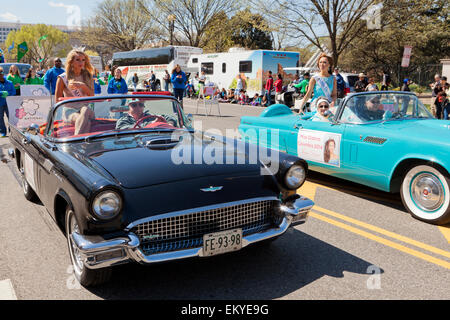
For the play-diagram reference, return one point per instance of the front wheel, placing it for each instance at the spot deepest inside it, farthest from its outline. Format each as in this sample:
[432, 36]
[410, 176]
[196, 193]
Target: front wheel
[28, 191]
[87, 277]
[425, 192]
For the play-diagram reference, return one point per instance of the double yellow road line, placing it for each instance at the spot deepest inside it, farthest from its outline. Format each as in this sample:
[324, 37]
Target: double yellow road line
[357, 227]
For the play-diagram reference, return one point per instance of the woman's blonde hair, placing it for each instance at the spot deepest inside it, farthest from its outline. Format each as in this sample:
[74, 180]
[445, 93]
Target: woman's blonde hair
[17, 70]
[88, 71]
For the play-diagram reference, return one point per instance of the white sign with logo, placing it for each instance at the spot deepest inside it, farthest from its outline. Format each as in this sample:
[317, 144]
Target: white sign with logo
[34, 91]
[24, 111]
[319, 146]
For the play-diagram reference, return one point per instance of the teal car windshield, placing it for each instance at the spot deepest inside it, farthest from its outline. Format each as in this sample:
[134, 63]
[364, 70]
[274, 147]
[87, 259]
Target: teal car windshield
[376, 107]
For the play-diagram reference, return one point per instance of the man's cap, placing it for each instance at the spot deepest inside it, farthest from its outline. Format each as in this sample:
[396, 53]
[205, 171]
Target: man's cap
[361, 75]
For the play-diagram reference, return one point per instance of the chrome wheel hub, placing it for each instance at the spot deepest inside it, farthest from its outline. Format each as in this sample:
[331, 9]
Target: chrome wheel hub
[427, 192]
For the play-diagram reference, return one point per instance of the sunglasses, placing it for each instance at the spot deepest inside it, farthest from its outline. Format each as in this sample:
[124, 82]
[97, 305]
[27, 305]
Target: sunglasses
[323, 106]
[137, 105]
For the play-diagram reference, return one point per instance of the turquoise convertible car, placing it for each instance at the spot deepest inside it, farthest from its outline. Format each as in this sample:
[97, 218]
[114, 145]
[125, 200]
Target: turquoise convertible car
[387, 140]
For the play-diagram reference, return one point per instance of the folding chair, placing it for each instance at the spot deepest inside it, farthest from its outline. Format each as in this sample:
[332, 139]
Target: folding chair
[201, 93]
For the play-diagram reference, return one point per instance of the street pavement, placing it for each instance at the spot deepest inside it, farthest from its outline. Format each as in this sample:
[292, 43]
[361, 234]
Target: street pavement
[358, 243]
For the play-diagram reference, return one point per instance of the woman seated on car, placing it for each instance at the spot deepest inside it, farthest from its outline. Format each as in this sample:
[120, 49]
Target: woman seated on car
[77, 81]
[323, 110]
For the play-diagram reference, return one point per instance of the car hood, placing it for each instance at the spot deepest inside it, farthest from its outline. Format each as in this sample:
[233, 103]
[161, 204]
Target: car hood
[151, 159]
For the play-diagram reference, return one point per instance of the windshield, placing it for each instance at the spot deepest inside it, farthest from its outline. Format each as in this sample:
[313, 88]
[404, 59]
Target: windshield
[94, 117]
[352, 80]
[380, 106]
[23, 68]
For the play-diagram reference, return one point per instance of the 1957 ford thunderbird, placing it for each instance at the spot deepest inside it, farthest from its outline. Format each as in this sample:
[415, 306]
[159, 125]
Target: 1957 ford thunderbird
[126, 190]
[387, 140]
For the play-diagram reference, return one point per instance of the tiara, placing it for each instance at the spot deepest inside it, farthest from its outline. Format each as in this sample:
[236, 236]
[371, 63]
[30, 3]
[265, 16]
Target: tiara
[79, 48]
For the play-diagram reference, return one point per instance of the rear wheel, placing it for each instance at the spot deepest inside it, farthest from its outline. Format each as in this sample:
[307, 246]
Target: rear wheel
[87, 277]
[425, 192]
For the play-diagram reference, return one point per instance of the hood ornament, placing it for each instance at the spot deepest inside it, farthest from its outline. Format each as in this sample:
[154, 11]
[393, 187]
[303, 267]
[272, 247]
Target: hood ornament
[212, 189]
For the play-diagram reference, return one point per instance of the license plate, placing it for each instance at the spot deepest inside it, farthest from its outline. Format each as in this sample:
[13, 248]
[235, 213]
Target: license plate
[222, 242]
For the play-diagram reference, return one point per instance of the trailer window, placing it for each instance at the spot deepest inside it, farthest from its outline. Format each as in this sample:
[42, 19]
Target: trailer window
[245, 66]
[194, 60]
[208, 67]
[224, 68]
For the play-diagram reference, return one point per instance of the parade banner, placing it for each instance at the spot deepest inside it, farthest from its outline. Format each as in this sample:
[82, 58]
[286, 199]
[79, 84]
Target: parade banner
[24, 111]
[22, 50]
[34, 91]
[406, 56]
[319, 146]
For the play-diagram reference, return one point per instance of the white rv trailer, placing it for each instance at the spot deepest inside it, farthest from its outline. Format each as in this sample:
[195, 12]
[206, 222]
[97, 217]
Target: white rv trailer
[223, 68]
[142, 62]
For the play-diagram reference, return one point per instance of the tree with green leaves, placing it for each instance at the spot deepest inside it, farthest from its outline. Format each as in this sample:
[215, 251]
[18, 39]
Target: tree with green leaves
[250, 30]
[43, 41]
[245, 29]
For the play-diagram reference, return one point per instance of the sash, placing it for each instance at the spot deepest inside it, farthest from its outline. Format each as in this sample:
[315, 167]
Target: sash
[324, 86]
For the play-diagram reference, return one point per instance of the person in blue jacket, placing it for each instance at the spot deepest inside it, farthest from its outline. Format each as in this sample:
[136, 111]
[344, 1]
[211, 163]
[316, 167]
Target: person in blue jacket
[178, 80]
[51, 76]
[6, 89]
[117, 84]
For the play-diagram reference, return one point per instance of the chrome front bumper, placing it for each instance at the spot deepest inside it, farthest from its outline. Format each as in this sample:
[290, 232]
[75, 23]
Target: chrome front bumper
[97, 252]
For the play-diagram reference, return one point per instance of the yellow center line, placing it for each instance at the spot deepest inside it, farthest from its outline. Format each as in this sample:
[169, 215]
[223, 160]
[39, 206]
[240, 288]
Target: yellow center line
[309, 190]
[385, 232]
[381, 240]
[445, 230]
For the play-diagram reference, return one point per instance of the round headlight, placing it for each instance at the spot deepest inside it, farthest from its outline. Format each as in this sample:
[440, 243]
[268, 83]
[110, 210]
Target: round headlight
[295, 177]
[107, 205]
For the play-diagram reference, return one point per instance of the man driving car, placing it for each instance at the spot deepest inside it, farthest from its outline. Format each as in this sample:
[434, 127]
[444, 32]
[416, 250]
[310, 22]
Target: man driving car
[136, 116]
[374, 109]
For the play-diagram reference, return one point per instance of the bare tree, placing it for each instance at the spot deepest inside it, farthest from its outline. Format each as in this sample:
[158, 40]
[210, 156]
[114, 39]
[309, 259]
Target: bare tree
[339, 20]
[191, 16]
[120, 25]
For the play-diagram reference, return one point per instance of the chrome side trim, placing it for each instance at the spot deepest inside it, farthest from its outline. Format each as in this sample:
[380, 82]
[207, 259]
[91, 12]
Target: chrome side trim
[190, 211]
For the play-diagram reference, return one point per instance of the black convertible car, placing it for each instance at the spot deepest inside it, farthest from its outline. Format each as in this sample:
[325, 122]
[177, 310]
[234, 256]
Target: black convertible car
[128, 179]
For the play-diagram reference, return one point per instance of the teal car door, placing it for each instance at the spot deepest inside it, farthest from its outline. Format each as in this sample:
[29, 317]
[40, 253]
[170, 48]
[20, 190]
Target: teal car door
[320, 143]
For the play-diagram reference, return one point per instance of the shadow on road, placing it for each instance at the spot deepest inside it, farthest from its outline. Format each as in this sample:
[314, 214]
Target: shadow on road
[391, 200]
[262, 272]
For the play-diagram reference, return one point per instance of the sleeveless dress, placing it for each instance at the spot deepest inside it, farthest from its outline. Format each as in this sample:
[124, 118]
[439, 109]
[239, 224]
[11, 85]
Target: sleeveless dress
[322, 88]
[67, 112]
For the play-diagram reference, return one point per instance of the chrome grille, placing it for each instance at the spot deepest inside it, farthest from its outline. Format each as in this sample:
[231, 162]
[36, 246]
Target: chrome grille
[186, 231]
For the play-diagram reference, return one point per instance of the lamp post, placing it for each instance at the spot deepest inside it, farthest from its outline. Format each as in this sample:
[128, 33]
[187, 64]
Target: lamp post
[171, 19]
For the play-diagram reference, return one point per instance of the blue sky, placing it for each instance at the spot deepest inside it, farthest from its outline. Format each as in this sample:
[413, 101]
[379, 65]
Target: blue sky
[56, 12]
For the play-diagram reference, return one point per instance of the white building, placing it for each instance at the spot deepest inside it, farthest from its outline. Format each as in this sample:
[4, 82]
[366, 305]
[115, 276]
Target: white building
[7, 27]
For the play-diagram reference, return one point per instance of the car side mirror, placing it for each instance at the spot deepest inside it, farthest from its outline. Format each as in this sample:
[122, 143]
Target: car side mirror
[33, 129]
